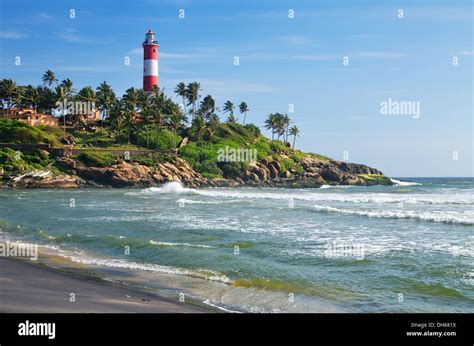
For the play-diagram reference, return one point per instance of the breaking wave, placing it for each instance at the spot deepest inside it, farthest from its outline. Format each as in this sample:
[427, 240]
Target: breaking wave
[403, 183]
[439, 217]
[167, 244]
[173, 187]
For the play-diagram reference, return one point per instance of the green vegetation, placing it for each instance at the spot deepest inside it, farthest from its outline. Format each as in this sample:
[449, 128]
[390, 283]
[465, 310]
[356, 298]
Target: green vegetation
[14, 162]
[98, 159]
[376, 179]
[16, 132]
[140, 120]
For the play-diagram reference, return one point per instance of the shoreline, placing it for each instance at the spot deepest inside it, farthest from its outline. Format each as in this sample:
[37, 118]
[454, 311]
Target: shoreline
[27, 287]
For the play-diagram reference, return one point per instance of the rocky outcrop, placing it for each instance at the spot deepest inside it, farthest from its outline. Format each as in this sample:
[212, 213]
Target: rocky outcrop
[312, 172]
[127, 174]
[315, 173]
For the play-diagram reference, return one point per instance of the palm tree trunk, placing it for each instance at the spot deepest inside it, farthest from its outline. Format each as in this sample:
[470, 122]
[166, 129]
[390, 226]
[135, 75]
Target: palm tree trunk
[294, 139]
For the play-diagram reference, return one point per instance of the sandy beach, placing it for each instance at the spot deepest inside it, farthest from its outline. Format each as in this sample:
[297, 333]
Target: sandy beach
[26, 287]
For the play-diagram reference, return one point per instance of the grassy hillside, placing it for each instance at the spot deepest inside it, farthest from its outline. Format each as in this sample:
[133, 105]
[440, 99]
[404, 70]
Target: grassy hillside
[202, 155]
[17, 132]
[236, 136]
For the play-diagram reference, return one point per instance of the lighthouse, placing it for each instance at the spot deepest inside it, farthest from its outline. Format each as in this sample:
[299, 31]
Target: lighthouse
[150, 61]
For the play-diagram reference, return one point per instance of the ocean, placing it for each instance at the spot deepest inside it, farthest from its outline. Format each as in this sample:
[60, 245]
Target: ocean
[402, 248]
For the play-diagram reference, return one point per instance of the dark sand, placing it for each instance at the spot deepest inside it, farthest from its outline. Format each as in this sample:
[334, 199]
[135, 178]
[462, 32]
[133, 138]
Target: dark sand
[26, 287]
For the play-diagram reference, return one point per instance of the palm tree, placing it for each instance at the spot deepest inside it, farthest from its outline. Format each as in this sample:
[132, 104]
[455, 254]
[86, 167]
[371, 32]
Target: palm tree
[198, 129]
[105, 98]
[208, 106]
[61, 98]
[49, 78]
[9, 92]
[32, 96]
[243, 109]
[286, 124]
[192, 95]
[47, 99]
[117, 117]
[175, 121]
[180, 90]
[231, 119]
[87, 94]
[280, 125]
[229, 107]
[68, 89]
[295, 132]
[212, 124]
[271, 123]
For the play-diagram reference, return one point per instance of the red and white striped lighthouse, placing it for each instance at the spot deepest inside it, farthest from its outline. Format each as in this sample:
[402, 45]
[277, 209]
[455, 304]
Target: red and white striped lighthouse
[150, 62]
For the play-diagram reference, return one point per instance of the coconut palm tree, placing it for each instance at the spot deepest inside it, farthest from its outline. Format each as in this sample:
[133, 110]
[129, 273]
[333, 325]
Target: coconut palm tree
[9, 92]
[87, 94]
[231, 119]
[243, 110]
[176, 120]
[32, 96]
[295, 132]
[116, 115]
[228, 108]
[68, 89]
[271, 123]
[286, 124]
[198, 129]
[49, 78]
[280, 125]
[61, 98]
[180, 90]
[47, 99]
[192, 95]
[212, 124]
[105, 98]
[208, 106]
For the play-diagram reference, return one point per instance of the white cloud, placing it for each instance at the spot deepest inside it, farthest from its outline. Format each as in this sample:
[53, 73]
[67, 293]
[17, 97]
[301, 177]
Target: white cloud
[44, 15]
[296, 40]
[316, 57]
[13, 35]
[381, 55]
[69, 35]
[466, 52]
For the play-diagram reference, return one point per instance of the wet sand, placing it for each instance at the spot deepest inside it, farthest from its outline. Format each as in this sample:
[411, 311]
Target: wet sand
[27, 287]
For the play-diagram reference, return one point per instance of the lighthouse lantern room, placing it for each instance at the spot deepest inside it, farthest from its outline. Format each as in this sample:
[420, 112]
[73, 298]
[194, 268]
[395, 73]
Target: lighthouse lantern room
[150, 62]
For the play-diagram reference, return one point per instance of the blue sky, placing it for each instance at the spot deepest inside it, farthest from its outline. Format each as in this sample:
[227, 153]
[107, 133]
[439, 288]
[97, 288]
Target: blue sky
[283, 61]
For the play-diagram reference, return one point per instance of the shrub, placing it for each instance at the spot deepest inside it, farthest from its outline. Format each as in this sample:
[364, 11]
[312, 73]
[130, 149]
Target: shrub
[14, 131]
[11, 163]
[98, 159]
[159, 140]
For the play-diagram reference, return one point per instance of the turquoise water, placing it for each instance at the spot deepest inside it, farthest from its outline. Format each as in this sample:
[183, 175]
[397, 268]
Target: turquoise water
[402, 248]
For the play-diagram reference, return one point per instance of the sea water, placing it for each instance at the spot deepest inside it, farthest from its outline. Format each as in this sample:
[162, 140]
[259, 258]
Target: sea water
[402, 248]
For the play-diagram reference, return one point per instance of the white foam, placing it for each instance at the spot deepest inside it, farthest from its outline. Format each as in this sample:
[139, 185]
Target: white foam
[434, 198]
[433, 216]
[173, 187]
[162, 243]
[403, 183]
[118, 263]
[190, 201]
[336, 186]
